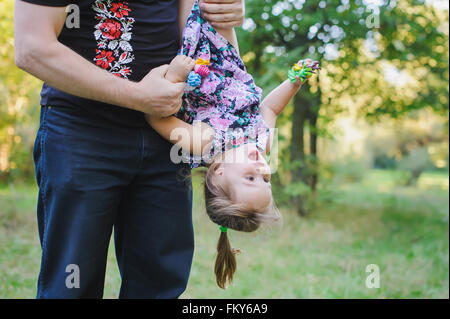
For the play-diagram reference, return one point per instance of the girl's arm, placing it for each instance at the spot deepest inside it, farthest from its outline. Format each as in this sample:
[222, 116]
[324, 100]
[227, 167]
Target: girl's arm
[195, 139]
[184, 10]
[230, 35]
[275, 102]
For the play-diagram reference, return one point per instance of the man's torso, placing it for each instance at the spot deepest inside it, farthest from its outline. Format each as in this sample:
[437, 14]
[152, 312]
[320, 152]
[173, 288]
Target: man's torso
[126, 38]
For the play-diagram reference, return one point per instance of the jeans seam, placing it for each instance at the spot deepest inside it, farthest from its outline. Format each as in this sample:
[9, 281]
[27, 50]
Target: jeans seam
[44, 196]
[141, 162]
[123, 259]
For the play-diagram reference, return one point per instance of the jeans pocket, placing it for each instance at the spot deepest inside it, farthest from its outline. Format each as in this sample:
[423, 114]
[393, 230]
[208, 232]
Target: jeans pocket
[39, 144]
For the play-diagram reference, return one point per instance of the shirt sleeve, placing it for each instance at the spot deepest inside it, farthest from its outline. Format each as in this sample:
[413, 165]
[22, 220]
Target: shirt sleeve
[50, 3]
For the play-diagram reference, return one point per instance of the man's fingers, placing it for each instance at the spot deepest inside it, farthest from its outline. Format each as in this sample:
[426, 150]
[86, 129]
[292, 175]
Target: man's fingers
[170, 108]
[161, 70]
[179, 88]
[203, 2]
[176, 94]
[226, 25]
[225, 17]
[223, 13]
[213, 8]
[176, 106]
[219, 1]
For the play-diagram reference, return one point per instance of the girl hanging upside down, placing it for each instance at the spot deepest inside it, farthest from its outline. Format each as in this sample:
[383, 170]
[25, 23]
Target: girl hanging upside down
[227, 129]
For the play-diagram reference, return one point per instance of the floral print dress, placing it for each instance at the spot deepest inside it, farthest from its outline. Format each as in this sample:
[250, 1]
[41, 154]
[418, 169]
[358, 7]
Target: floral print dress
[228, 99]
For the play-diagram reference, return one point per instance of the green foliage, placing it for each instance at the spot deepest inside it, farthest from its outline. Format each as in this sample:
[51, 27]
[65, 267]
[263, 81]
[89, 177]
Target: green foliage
[19, 101]
[417, 161]
[378, 61]
[412, 38]
[348, 170]
[296, 189]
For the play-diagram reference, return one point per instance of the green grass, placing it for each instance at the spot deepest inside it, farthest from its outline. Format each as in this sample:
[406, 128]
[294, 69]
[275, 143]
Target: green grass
[404, 230]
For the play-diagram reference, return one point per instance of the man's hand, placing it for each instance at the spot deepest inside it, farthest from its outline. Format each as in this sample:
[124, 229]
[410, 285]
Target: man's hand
[39, 52]
[223, 14]
[160, 97]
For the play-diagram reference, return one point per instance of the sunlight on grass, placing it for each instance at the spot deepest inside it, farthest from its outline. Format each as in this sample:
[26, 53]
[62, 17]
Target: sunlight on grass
[431, 180]
[404, 230]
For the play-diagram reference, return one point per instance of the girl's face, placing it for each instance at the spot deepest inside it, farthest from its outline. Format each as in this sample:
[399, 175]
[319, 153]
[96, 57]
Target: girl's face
[245, 175]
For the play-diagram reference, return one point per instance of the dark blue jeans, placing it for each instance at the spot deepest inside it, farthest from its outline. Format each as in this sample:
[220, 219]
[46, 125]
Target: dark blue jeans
[95, 176]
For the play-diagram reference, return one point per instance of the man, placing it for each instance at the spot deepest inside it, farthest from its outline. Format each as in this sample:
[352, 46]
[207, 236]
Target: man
[99, 165]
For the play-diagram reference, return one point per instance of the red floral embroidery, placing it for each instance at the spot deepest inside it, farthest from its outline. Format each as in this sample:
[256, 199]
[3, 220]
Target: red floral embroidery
[120, 10]
[104, 58]
[113, 33]
[110, 29]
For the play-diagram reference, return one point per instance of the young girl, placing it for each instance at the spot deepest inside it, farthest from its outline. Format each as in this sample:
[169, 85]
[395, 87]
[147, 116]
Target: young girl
[222, 106]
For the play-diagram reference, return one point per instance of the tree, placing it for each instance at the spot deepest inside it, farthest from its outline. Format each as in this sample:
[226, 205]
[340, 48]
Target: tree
[19, 106]
[357, 43]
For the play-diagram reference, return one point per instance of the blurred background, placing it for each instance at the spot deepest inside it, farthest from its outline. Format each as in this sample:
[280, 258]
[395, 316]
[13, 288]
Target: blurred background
[363, 175]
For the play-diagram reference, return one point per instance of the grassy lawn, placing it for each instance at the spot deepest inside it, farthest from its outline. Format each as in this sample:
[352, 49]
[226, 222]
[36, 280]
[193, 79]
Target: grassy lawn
[403, 230]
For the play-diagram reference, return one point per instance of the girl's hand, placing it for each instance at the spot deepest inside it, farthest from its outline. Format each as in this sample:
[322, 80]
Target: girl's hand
[298, 82]
[302, 71]
[223, 14]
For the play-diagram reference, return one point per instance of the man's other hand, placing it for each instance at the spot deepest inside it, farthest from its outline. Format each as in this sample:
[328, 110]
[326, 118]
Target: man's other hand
[223, 14]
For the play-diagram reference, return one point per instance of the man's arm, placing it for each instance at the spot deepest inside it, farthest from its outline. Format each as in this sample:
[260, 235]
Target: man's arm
[39, 52]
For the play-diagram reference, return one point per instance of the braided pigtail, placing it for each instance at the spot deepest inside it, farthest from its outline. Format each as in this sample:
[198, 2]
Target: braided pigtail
[225, 261]
[230, 215]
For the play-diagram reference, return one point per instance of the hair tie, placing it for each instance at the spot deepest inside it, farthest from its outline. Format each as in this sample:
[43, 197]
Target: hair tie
[202, 70]
[194, 80]
[223, 229]
[203, 60]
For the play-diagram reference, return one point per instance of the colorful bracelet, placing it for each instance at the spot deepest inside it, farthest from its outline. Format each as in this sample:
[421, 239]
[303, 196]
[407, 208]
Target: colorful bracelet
[303, 69]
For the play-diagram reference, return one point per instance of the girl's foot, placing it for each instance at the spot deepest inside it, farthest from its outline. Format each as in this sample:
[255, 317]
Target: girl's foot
[179, 68]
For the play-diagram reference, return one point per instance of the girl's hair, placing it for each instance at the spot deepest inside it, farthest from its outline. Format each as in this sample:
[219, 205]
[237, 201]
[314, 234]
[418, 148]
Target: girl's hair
[226, 213]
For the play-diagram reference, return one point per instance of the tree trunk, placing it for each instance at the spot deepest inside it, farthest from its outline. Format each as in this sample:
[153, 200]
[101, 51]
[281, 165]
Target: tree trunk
[298, 148]
[313, 136]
